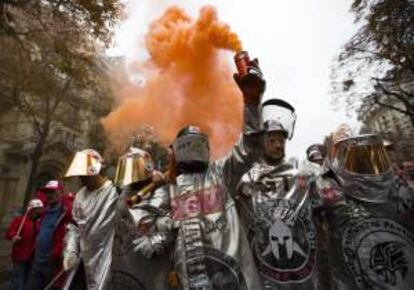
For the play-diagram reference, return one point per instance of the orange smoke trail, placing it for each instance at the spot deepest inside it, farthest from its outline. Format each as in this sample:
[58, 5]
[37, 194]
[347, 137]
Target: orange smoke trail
[188, 81]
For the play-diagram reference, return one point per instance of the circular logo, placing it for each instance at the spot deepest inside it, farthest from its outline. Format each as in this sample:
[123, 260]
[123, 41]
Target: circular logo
[124, 281]
[214, 270]
[380, 254]
[285, 244]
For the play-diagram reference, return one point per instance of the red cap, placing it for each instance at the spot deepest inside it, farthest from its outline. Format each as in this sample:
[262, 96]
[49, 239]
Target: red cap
[53, 185]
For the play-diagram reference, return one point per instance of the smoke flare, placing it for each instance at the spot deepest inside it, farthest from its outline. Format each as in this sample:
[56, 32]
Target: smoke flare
[187, 81]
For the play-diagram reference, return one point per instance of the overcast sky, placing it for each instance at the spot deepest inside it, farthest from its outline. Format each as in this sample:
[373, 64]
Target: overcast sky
[295, 41]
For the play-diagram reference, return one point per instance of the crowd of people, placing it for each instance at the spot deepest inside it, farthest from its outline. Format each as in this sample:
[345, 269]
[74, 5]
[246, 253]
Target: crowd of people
[252, 220]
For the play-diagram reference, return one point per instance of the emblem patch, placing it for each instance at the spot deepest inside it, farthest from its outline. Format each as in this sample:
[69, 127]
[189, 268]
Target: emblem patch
[380, 254]
[285, 244]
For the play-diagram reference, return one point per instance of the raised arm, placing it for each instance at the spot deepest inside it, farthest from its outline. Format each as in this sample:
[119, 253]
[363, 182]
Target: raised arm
[249, 147]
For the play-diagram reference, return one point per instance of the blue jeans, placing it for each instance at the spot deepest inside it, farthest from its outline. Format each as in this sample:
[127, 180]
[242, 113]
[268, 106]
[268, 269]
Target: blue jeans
[20, 274]
[41, 275]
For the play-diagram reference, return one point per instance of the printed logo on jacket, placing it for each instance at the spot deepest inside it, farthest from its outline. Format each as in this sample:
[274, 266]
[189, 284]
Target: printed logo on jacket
[380, 254]
[284, 242]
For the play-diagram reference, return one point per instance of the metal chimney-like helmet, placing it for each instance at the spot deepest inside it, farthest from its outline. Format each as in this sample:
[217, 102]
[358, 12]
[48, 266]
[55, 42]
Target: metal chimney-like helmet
[87, 162]
[134, 166]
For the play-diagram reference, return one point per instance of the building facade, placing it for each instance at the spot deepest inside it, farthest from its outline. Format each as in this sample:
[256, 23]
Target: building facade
[393, 125]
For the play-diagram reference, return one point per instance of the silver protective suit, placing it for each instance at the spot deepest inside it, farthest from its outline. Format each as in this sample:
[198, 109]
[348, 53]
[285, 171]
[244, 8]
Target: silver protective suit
[141, 260]
[211, 250]
[106, 248]
[91, 238]
[371, 238]
[278, 215]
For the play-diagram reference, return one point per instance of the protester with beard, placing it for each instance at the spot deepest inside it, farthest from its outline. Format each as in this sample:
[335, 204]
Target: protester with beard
[276, 206]
[47, 266]
[369, 215]
[211, 250]
[22, 232]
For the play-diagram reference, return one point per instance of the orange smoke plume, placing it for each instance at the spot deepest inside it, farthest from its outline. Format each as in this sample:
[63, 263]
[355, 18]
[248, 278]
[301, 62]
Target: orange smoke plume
[187, 81]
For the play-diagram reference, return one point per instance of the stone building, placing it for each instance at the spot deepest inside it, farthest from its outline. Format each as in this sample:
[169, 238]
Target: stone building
[77, 127]
[394, 126]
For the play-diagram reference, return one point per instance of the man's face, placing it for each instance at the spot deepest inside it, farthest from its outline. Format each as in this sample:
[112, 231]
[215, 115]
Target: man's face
[52, 195]
[275, 144]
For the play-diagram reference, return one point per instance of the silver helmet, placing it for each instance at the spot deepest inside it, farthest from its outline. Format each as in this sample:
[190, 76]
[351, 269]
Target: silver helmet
[191, 150]
[278, 115]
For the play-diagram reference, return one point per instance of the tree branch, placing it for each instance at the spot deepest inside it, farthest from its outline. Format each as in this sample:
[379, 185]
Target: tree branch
[24, 106]
[378, 102]
[400, 97]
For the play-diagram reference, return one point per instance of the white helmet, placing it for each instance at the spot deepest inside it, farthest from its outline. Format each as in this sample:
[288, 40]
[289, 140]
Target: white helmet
[278, 115]
[34, 203]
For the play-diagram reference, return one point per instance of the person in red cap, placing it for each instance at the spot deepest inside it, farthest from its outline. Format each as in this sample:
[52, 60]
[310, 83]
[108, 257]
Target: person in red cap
[22, 233]
[47, 263]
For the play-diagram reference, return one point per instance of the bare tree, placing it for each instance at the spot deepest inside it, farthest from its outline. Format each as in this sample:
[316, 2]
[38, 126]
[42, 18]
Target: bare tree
[378, 61]
[47, 58]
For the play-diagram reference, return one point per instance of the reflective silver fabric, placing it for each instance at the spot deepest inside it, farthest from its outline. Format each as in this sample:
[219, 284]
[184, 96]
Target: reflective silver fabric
[370, 188]
[95, 214]
[372, 243]
[134, 269]
[276, 205]
[211, 250]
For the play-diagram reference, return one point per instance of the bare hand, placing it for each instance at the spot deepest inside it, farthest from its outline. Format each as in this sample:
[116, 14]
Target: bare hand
[16, 239]
[158, 177]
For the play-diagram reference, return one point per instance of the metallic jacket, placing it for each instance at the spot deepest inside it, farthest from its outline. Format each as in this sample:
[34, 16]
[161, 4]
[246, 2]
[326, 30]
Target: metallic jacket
[372, 243]
[148, 268]
[211, 250]
[103, 238]
[91, 237]
[277, 212]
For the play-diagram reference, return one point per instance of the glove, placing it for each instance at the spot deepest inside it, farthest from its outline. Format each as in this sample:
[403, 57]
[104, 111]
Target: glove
[144, 245]
[252, 84]
[69, 262]
[164, 224]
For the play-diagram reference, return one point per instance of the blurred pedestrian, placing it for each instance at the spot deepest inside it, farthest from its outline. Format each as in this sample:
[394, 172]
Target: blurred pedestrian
[22, 233]
[49, 243]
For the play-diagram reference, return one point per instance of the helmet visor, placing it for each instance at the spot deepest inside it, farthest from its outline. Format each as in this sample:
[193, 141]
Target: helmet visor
[362, 156]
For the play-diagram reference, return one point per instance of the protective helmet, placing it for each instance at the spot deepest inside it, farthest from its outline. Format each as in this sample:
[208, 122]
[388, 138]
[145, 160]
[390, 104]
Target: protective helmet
[52, 185]
[278, 115]
[87, 162]
[134, 166]
[316, 152]
[362, 165]
[363, 154]
[35, 203]
[191, 149]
